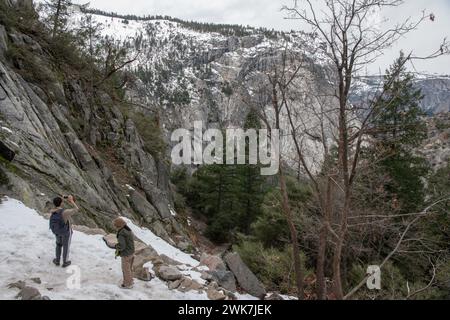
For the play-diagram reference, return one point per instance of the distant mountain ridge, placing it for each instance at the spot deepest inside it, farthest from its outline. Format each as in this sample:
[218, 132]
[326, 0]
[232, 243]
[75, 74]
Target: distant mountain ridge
[435, 89]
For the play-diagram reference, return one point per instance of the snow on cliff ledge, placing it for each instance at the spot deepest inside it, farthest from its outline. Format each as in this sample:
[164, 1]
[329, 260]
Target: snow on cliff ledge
[27, 250]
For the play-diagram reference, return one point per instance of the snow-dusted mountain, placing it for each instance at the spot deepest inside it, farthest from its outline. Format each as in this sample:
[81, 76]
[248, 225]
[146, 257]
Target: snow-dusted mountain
[435, 89]
[196, 74]
[188, 72]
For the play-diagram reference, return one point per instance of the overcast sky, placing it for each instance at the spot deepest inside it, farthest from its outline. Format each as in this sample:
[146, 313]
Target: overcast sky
[266, 13]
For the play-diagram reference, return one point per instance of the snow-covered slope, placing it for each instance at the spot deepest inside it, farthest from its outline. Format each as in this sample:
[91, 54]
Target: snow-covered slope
[186, 72]
[27, 249]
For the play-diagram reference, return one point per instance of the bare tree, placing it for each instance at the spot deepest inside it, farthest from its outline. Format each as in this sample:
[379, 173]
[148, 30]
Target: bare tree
[270, 93]
[352, 42]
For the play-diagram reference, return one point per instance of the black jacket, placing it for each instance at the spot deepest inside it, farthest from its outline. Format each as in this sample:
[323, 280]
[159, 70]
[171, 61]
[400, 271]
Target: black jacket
[125, 245]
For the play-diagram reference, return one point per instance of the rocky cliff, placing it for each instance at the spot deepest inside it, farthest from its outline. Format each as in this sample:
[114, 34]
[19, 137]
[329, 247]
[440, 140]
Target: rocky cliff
[55, 141]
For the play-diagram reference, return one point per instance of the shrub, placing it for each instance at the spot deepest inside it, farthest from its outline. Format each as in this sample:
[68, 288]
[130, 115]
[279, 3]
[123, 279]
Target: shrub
[28, 65]
[151, 134]
[227, 89]
[272, 266]
[4, 180]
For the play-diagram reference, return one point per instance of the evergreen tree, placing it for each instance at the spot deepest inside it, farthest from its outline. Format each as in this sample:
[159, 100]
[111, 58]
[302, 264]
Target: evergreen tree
[252, 183]
[398, 129]
[229, 196]
[58, 13]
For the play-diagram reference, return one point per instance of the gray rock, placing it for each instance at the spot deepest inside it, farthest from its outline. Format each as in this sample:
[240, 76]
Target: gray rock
[273, 296]
[214, 294]
[245, 277]
[225, 279]
[17, 285]
[170, 261]
[3, 40]
[187, 285]
[29, 293]
[184, 246]
[174, 284]
[143, 207]
[206, 276]
[142, 257]
[212, 262]
[169, 273]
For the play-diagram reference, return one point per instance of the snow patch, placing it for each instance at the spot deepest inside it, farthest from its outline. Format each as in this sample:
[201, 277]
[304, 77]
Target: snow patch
[8, 130]
[26, 251]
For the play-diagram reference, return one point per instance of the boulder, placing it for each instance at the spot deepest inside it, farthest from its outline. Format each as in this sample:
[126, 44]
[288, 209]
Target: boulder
[273, 296]
[174, 284]
[212, 262]
[141, 266]
[29, 293]
[143, 272]
[206, 276]
[214, 294]
[225, 279]
[187, 284]
[168, 273]
[184, 246]
[245, 277]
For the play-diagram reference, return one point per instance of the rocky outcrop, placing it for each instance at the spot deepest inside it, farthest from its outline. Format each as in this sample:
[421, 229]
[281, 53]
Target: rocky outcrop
[61, 143]
[245, 277]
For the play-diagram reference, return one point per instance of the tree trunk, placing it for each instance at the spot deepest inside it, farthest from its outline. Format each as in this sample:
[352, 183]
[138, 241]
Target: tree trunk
[56, 19]
[294, 239]
[323, 240]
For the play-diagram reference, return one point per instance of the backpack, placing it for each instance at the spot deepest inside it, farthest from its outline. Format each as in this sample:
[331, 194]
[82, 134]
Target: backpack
[57, 224]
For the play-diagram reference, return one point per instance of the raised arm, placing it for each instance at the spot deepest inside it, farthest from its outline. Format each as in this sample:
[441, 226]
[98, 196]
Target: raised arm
[70, 212]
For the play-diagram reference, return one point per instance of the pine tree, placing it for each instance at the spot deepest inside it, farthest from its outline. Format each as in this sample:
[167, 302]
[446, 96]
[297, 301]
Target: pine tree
[58, 13]
[252, 183]
[399, 128]
[229, 196]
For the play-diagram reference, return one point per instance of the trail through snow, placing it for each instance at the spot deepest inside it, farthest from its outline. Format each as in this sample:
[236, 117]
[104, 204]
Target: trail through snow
[27, 249]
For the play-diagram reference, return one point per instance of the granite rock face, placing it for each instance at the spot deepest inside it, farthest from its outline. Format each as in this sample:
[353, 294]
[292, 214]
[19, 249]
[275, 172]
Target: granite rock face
[62, 144]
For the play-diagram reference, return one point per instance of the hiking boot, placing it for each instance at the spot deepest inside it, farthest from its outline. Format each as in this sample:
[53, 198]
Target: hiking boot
[56, 262]
[122, 286]
[66, 264]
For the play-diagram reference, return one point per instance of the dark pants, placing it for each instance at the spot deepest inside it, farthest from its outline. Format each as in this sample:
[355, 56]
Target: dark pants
[63, 245]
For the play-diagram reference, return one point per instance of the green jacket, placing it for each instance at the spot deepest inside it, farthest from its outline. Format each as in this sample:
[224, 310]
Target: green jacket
[125, 245]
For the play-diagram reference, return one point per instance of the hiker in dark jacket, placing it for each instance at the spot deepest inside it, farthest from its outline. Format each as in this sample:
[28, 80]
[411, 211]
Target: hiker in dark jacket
[125, 249]
[61, 226]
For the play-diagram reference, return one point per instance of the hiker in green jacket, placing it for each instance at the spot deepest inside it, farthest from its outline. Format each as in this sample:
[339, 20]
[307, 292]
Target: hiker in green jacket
[125, 249]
